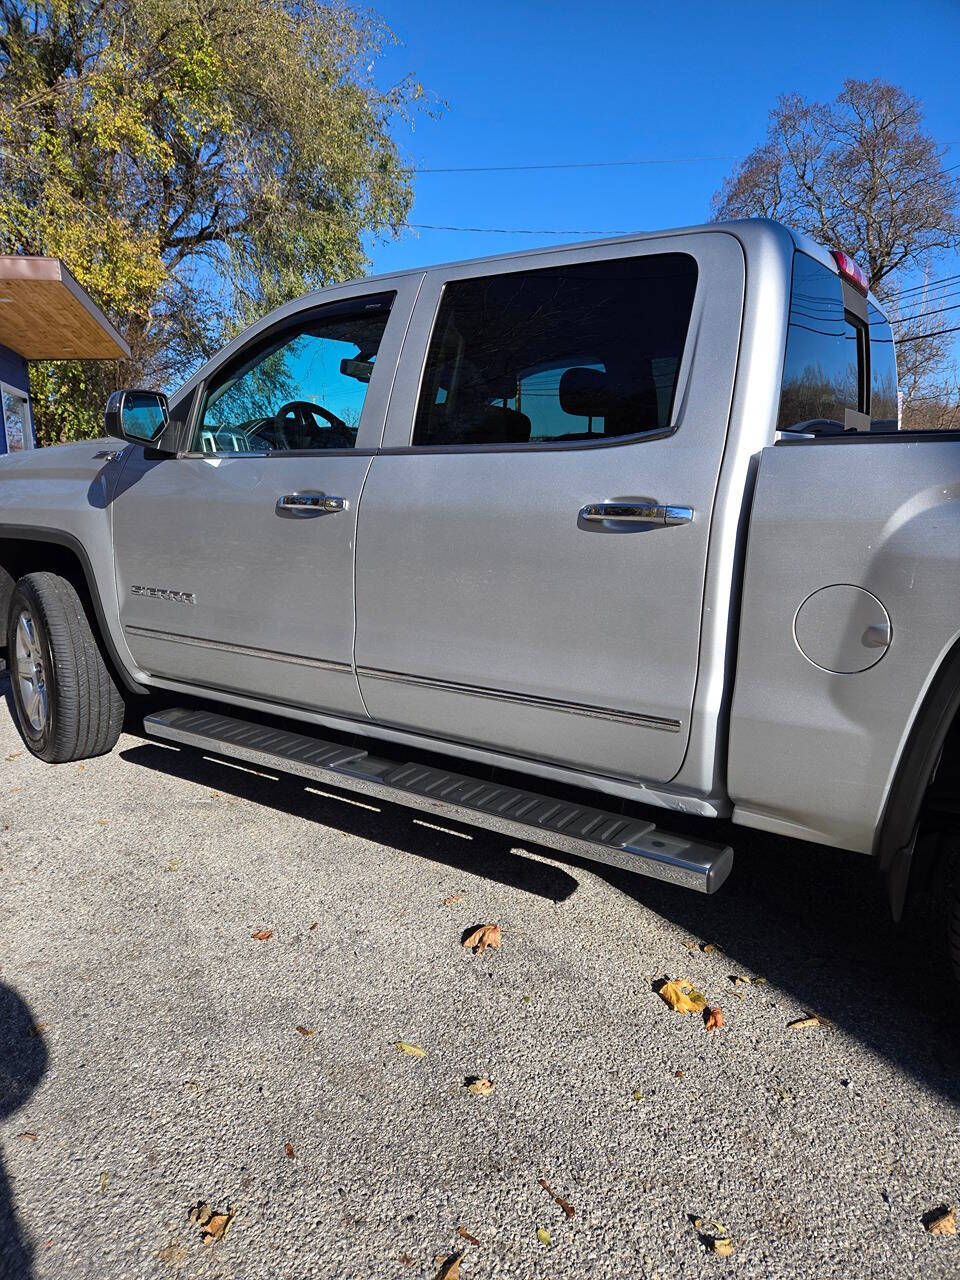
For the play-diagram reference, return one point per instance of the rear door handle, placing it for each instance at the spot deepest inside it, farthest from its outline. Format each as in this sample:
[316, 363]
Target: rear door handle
[637, 512]
[310, 504]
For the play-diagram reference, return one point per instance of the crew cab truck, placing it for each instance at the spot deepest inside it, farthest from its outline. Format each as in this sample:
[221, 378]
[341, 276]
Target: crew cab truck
[633, 518]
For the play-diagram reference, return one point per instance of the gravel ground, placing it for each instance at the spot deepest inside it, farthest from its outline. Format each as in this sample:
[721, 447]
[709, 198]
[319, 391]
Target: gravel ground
[151, 1046]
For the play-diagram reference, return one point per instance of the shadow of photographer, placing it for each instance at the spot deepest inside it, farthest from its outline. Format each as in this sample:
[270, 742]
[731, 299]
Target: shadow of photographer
[23, 1062]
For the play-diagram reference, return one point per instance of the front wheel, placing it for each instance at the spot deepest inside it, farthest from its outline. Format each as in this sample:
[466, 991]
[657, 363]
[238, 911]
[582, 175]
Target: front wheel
[68, 704]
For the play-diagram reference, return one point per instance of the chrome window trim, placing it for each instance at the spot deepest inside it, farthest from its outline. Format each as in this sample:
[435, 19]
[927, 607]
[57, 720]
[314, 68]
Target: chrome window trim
[637, 718]
[242, 650]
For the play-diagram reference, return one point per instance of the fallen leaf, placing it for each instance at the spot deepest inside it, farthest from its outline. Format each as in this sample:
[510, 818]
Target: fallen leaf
[307, 1031]
[737, 995]
[314, 925]
[102, 822]
[678, 1074]
[759, 982]
[462, 1231]
[453, 899]
[15, 755]
[450, 1268]
[288, 1148]
[27, 1136]
[480, 1086]
[104, 1179]
[709, 947]
[941, 1221]
[723, 1246]
[811, 1020]
[682, 996]
[739, 981]
[638, 1095]
[174, 864]
[413, 1050]
[543, 1235]
[262, 935]
[565, 1205]
[37, 1029]
[213, 1225]
[192, 1086]
[713, 1019]
[689, 944]
[485, 935]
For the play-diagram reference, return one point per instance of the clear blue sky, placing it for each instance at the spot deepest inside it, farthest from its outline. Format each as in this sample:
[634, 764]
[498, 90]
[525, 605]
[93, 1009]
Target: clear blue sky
[538, 83]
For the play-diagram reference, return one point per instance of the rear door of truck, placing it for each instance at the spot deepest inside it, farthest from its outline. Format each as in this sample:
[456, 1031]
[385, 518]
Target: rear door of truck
[533, 534]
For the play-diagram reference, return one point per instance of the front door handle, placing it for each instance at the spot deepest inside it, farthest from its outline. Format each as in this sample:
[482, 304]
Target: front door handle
[637, 512]
[310, 504]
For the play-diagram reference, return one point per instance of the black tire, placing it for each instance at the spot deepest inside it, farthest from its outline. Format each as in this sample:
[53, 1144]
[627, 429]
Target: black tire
[79, 710]
[953, 923]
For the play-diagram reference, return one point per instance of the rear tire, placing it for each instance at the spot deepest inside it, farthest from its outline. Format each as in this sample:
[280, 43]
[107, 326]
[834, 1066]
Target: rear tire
[953, 924]
[68, 704]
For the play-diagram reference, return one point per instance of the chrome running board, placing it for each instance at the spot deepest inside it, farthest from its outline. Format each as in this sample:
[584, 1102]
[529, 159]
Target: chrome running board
[615, 840]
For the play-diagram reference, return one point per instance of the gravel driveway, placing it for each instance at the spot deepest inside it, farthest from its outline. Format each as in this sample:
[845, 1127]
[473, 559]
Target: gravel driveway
[151, 1057]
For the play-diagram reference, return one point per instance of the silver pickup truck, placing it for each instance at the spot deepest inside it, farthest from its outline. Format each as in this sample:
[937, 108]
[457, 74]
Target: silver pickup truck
[614, 547]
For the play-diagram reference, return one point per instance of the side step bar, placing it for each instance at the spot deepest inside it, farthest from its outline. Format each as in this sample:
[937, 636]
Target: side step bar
[610, 838]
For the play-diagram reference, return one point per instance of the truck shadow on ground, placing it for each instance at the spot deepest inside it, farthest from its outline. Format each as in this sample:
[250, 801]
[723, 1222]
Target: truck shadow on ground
[813, 921]
[23, 1062]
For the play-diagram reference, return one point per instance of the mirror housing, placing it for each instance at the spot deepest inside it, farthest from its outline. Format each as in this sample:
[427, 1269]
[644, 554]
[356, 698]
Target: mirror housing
[137, 415]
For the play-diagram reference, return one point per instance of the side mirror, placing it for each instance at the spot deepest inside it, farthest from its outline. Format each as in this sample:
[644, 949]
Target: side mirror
[138, 416]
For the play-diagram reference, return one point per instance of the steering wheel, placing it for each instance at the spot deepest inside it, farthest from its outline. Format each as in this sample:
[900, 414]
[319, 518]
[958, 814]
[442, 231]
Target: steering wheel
[305, 413]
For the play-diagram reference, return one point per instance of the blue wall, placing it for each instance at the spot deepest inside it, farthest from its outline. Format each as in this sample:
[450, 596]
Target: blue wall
[13, 370]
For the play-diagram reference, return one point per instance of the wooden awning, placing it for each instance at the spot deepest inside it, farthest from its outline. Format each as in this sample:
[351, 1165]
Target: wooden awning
[45, 315]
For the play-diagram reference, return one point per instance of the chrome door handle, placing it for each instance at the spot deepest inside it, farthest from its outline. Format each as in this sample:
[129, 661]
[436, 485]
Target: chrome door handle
[637, 512]
[310, 503]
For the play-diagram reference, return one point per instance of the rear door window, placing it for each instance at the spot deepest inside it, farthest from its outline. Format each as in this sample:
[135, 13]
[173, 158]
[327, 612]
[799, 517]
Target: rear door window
[824, 371]
[578, 353]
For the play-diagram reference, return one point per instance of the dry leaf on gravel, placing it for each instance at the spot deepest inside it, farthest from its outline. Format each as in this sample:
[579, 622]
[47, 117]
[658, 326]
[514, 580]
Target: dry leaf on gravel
[485, 935]
[174, 864]
[714, 1237]
[808, 1020]
[15, 755]
[452, 899]
[104, 1179]
[480, 1086]
[723, 1246]
[709, 947]
[37, 1029]
[450, 1268]
[213, 1225]
[27, 1136]
[941, 1221]
[413, 1050]
[288, 1148]
[682, 996]
[713, 1019]
[314, 925]
[565, 1205]
[462, 1231]
[262, 935]
[543, 1235]
[307, 1031]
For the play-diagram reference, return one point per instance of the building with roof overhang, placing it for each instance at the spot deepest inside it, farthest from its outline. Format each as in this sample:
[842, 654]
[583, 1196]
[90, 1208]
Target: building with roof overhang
[44, 315]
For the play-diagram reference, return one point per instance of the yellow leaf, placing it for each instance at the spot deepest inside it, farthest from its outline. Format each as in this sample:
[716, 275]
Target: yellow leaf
[723, 1247]
[638, 1095]
[104, 1179]
[543, 1235]
[413, 1050]
[481, 1087]
[682, 996]
[485, 935]
[811, 1020]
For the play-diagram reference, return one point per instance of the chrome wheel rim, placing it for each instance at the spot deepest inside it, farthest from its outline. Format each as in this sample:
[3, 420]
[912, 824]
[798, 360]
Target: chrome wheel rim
[31, 673]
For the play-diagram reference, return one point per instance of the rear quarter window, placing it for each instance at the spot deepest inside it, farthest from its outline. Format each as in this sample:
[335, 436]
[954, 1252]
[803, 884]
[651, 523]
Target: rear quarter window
[884, 403]
[823, 370]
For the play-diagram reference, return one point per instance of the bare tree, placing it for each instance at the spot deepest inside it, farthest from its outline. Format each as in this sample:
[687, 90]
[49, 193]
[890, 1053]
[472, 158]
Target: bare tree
[861, 174]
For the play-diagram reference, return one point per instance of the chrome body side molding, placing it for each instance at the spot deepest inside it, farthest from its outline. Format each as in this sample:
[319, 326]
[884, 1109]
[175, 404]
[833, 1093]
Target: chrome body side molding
[523, 699]
[245, 650]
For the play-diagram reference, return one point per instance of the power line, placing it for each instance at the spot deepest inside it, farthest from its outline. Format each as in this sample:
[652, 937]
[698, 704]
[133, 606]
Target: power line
[514, 231]
[919, 337]
[580, 164]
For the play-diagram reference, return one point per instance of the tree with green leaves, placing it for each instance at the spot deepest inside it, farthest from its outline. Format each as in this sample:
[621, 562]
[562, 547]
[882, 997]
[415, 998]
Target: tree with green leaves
[195, 163]
[861, 174]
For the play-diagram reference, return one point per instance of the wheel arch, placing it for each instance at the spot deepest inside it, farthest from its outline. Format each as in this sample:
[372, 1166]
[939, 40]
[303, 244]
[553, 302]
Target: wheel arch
[28, 549]
[927, 743]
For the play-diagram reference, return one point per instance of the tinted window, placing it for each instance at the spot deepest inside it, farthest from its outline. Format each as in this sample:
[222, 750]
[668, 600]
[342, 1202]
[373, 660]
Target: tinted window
[579, 353]
[302, 388]
[884, 410]
[825, 351]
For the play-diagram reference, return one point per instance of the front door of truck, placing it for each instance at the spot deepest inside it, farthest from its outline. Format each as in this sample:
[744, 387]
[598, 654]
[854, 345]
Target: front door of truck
[234, 560]
[533, 537]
